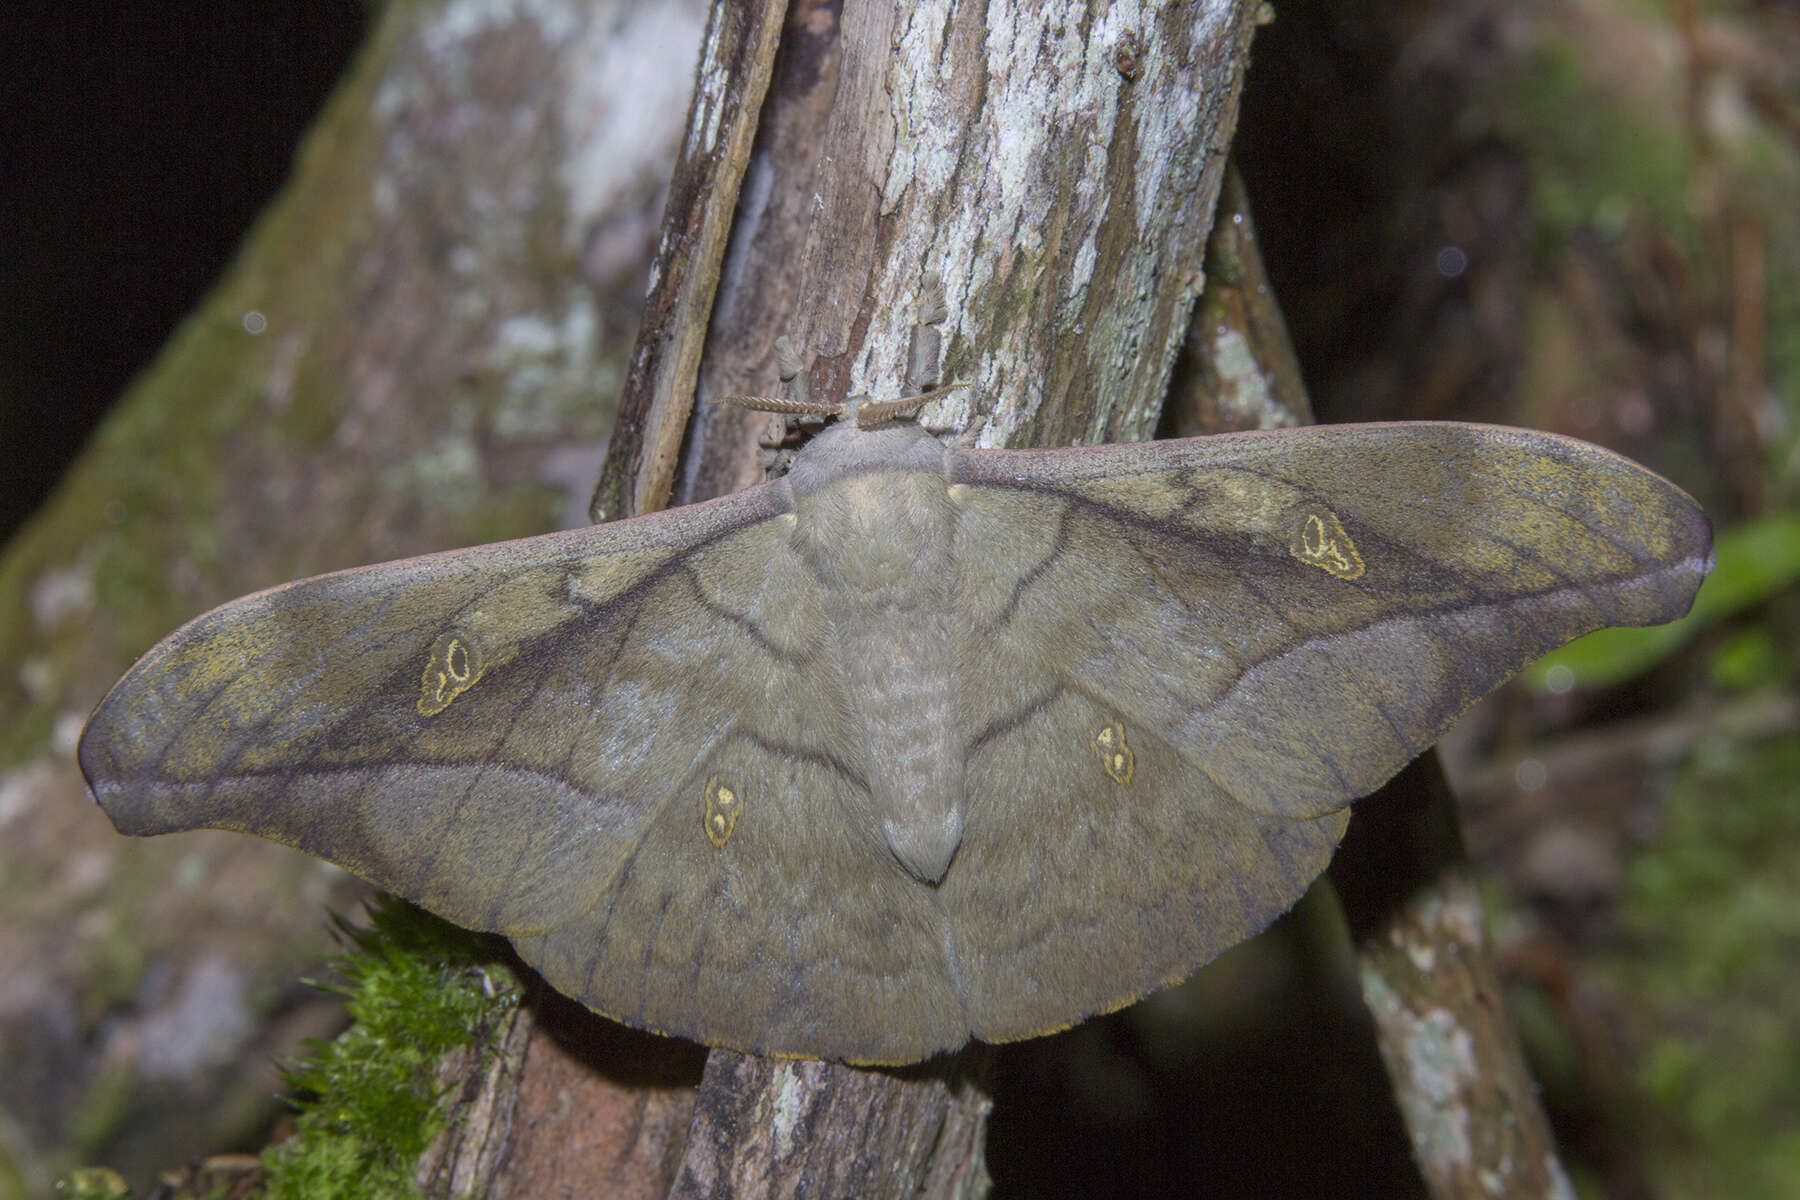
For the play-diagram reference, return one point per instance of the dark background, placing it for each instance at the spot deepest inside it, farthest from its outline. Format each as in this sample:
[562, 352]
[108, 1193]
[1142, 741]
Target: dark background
[138, 141]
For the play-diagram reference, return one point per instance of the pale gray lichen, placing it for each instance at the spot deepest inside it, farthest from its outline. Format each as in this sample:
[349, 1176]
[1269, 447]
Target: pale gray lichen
[790, 1106]
[626, 98]
[1439, 1061]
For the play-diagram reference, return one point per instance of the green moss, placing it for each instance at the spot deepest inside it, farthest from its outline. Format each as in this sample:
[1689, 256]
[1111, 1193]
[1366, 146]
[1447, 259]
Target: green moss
[1713, 915]
[417, 988]
[106, 1105]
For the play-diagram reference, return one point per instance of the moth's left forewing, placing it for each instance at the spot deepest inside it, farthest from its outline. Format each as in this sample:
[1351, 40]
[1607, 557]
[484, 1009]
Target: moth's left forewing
[1197, 653]
[1300, 612]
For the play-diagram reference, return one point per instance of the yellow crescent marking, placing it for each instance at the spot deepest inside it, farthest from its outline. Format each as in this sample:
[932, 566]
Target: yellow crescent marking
[722, 805]
[1320, 539]
[1115, 755]
[452, 668]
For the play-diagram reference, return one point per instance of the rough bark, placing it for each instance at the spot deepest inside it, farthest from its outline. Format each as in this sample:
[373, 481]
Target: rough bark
[736, 60]
[1237, 368]
[769, 1128]
[1064, 202]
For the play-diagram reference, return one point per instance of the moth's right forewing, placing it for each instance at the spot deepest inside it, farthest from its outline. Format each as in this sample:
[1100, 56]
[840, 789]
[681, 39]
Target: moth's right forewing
[484, 731]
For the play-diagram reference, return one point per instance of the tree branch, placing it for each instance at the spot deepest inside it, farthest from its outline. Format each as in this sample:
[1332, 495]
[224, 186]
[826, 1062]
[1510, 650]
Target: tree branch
[1060, 181]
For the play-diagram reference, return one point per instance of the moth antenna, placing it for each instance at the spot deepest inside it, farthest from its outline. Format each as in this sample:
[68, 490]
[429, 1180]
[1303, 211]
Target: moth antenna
[871, 413]
[786, 405]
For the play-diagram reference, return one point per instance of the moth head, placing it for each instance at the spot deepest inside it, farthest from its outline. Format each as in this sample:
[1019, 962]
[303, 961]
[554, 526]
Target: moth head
[845, 448]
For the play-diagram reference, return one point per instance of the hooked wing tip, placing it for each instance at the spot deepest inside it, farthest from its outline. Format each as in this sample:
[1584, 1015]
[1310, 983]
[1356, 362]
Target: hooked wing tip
[100, 755]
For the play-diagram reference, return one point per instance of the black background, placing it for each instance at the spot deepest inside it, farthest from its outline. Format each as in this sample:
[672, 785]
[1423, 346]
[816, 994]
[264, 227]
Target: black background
[138, 141]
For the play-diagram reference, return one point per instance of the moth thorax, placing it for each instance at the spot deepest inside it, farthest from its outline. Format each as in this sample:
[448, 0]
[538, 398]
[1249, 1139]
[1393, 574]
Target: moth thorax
[887, 531]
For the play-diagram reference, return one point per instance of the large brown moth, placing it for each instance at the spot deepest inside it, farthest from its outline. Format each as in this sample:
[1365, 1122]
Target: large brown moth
[915, 744]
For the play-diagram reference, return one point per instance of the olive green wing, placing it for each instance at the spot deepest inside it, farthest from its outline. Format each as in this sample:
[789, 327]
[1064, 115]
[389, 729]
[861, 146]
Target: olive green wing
[542, 738]
[1189, 657]
[481, 731]
[1301, 612]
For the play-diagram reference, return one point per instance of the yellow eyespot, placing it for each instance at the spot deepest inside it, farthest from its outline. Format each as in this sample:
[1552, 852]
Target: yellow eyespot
[1320, 539]
[722, 804]
[1115, 756]
[452, 668]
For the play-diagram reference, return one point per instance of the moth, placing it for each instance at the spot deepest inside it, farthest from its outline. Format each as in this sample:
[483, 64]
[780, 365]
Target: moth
[915, 744]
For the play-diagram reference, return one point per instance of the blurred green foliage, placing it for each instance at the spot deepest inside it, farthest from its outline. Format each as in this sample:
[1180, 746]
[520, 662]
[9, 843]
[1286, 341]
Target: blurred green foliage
[1595, 163]
[1711, 957]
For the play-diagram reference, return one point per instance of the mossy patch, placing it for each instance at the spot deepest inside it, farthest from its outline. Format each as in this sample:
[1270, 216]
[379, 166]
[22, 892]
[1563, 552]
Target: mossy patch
[417, 988]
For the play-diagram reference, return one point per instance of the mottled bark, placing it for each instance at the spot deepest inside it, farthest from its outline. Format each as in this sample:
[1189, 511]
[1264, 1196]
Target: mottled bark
[598, 1109]
[1429, 979]
[1237, 368]
[1064, 201]
[764, 1127]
